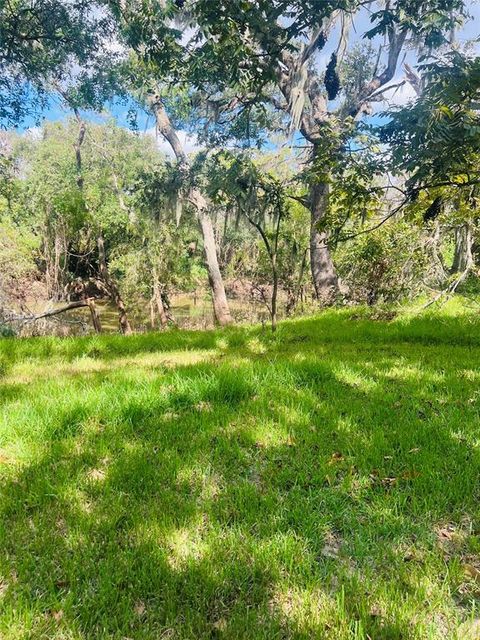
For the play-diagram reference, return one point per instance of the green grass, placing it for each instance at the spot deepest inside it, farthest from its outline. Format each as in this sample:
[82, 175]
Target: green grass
[319, 483]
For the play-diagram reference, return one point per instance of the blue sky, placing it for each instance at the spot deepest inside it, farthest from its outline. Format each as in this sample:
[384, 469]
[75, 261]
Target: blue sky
[119, 110]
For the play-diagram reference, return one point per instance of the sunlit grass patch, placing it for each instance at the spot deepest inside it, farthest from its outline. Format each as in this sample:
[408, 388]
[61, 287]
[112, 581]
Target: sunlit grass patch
[320, 483]
[144, 365]
[348, 375]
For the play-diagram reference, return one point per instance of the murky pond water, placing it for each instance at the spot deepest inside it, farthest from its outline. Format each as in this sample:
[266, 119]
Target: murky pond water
[187, 311]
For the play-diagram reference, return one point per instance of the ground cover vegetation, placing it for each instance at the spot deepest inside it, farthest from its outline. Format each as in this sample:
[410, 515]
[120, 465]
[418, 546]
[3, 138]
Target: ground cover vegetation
[321, 482]
[301, 180]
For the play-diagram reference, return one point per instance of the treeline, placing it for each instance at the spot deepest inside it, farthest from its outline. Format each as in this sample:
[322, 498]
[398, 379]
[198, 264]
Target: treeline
[109, 218]
[294, 188]
[116, 223]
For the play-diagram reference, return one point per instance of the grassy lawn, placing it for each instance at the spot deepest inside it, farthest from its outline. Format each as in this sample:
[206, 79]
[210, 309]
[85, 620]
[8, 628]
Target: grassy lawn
[321, 483]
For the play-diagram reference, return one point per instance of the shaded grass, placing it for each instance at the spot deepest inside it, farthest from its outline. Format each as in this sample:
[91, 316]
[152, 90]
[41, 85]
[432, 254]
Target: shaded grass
[320, 483]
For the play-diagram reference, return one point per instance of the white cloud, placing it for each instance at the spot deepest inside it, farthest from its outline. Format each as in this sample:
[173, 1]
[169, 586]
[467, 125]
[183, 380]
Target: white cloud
[188, 141]
[34, 133]
[397, 96]
[402, 95]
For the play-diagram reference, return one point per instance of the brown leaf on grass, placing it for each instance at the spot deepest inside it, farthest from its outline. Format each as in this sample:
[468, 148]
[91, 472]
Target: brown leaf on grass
[376, 611]
[446, 533]
[411, 474]
[203, 406]
[409, 555]
[61, 583]
[3, 587]
[139, 608]
[452, 539]
[61, 526]
[220, 625]
[57, 615]
[472, 572]
[391, 481]
[388, 482]
[335, 458]
[96, 474]
[330, 551]
[332, 545]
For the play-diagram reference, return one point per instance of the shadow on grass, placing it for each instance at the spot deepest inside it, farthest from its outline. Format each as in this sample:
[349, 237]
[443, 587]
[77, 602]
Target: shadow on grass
[347, 326]
[285, 495]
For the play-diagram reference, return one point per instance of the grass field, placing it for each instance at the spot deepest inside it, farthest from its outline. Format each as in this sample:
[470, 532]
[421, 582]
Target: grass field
[319, 483]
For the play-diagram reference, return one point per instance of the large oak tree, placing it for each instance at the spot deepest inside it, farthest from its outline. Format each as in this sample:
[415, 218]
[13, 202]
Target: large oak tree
[259, 52]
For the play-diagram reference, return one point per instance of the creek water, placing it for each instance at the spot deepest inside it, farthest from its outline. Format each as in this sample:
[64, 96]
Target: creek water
[188, 311]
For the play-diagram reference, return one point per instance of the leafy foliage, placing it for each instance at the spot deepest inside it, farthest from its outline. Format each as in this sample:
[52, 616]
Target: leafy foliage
[40, 43]
[437, 138]
[387, 265]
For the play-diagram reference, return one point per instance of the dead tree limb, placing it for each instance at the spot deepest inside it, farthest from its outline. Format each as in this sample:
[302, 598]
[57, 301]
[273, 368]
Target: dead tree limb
[88, 302]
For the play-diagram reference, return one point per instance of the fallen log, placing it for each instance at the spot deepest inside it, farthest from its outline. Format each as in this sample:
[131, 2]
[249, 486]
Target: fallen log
[87, 302]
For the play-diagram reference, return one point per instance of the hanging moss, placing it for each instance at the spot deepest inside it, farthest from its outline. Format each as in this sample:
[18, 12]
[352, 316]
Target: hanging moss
[321, 41]
[433, 210]
[332, 81]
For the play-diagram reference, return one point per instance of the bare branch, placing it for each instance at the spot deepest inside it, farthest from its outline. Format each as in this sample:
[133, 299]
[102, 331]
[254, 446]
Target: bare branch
[303, 201]
[378, 95]
[165, 127]
[396, 42]
[314, 45]
[413, 78]
[452, 287]
[53, 312]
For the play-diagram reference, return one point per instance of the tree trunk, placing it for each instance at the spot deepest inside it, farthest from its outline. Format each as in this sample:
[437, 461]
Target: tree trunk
[324, 275]
[295, 292]
[47, 256]
[110, 284]
[97, 325]
[463, 256]
[157, 297]
[273, 311]
[433, 242]
[57, 286]
[112, 288]
[220, 304]
[152, 312]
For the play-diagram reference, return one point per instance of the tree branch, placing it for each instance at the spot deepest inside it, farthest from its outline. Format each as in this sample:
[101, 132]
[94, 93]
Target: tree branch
[376, 95]
[396, 42]
[166, 128]
[53, 312]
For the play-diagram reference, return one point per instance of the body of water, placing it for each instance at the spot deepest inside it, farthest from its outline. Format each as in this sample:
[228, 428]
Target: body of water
[188, 311]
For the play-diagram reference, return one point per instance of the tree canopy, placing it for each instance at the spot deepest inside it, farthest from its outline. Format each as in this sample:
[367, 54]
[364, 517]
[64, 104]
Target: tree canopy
[294, 161]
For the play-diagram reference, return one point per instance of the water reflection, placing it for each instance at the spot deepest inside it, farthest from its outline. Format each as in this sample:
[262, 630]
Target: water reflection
[188, 311]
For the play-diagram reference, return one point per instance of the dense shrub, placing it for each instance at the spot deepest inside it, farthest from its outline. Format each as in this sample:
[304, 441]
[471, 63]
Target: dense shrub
[385, 265]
